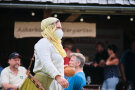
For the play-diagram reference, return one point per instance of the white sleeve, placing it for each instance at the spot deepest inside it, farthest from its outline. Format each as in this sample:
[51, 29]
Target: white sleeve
[4, 76]
[44, 54]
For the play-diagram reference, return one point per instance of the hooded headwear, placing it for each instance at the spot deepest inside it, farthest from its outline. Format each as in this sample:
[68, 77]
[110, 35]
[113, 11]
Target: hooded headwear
[48, 26]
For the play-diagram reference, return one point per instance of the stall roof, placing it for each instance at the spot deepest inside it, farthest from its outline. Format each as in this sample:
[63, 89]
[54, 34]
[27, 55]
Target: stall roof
[99, 2]
[123, 7]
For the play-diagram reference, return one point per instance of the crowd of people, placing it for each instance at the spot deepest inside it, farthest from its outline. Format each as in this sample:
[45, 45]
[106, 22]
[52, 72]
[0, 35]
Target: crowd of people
[51, 58]
[49, 63]
[109, 69]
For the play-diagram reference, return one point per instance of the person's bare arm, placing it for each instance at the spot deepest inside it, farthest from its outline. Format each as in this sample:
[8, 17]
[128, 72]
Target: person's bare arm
[112, 62]
[122, 72]
[100, 64]
[6, 86]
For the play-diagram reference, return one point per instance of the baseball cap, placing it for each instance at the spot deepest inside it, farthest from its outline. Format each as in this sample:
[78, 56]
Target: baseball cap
[14, 55]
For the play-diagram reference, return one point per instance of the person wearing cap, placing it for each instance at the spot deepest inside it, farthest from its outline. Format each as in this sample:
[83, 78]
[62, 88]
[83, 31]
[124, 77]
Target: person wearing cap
[49, 56]
[14, 75]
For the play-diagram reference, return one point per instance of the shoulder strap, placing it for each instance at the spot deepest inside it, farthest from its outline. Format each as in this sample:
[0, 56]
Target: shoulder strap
[32, 78]
[31, 61]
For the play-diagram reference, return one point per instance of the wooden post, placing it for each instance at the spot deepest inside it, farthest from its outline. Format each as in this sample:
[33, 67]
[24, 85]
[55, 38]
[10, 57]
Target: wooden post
[47, 13]
[72, 17]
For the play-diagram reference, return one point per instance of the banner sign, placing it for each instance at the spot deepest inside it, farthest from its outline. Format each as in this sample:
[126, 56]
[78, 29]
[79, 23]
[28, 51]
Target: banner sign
[32, 29]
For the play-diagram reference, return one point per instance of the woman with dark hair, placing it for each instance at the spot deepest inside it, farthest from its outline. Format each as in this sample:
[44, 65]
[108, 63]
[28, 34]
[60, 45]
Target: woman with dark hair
[111, 69]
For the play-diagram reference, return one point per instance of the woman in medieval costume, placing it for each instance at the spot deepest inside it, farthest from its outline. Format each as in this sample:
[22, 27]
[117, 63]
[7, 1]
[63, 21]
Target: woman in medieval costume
[49, 54]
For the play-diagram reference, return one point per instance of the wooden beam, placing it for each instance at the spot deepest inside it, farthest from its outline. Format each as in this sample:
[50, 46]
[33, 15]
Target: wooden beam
[47, 13]
[72, 17]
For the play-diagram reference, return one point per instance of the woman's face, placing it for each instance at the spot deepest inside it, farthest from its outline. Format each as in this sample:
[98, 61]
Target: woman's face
[109, 51]
[58, 26]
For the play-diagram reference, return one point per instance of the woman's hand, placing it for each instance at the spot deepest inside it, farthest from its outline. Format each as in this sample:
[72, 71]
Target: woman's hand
[62, 81]
[112, 55]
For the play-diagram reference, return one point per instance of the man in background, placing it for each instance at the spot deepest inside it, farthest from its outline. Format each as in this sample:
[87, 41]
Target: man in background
[14, 75]
[68, 46]
[78, 80]
[99, 62]
[127, 65]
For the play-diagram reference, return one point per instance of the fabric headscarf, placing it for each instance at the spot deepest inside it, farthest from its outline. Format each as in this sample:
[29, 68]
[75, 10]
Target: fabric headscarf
[48, 26]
